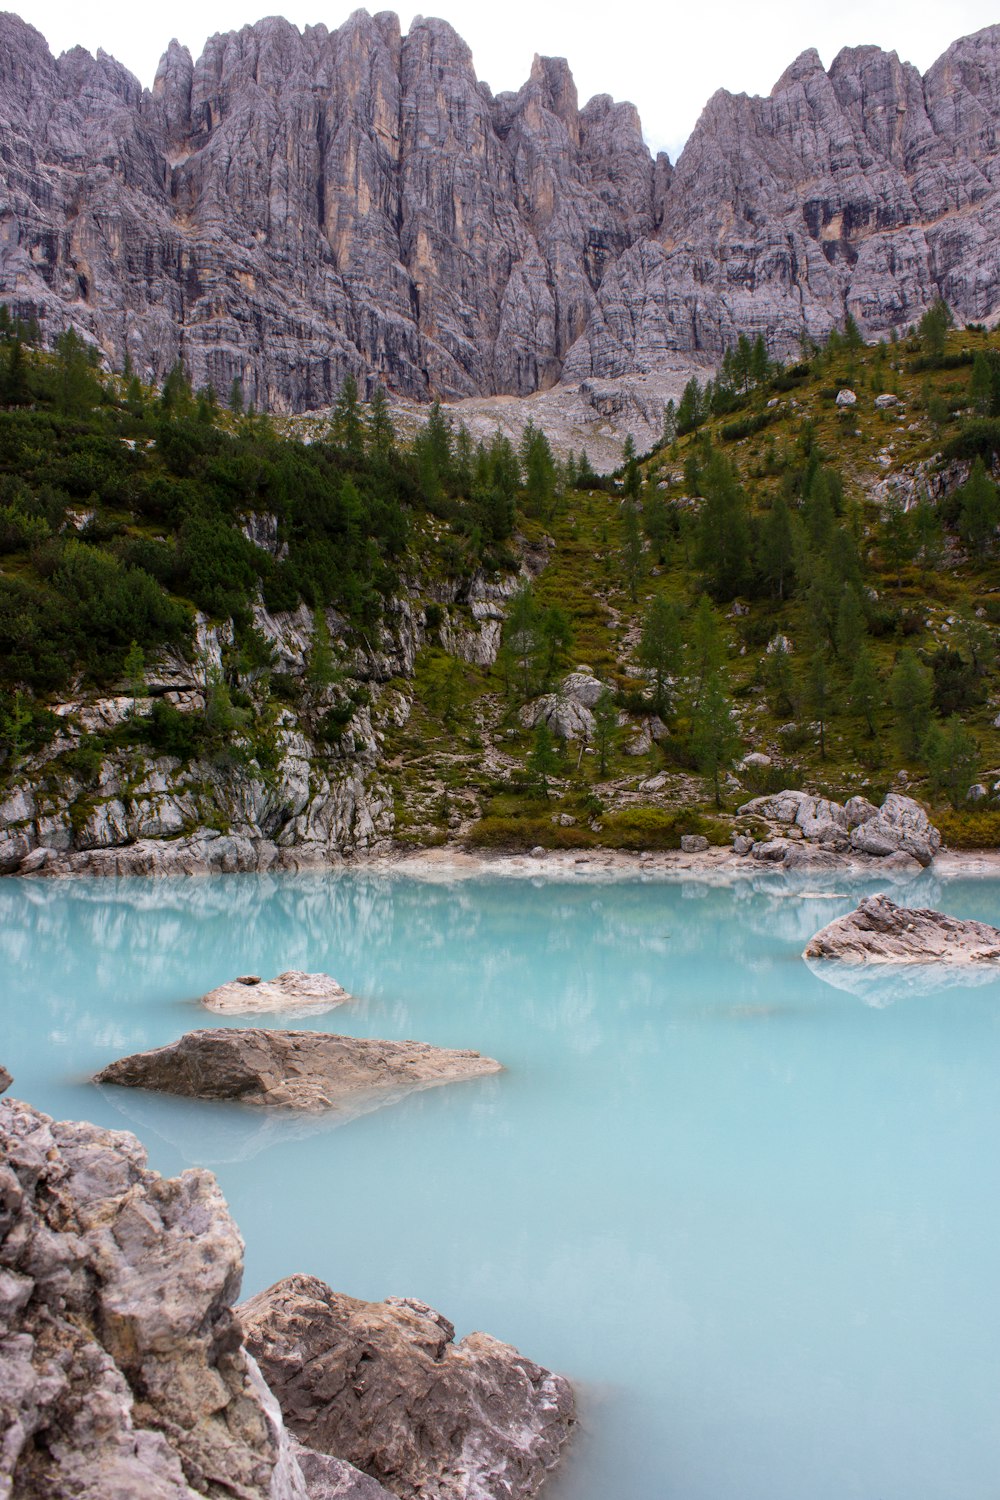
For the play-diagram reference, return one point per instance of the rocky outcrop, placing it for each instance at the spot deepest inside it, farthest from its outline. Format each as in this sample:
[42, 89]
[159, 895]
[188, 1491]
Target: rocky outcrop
[385, 1385]
[122, 1368]
[297, 205]
[290, 993]
[305, 1070]
[898, 829]
[880, 932]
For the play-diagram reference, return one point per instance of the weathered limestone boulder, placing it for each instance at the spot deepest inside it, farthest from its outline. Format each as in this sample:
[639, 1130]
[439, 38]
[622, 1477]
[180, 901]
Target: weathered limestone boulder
[846, 399]
[288, 993]
[307, 1070]
[879, 931]
[567, 718]
[5, 1080]
[384, 1385]
[693, 843]
[583, 687]
[901, 827]
[122, 1369]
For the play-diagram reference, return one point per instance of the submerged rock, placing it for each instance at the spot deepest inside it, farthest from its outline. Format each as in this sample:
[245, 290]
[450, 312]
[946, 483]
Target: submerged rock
[5, 1080]
[879, 931]
[292, 991]
[307, 1070]
[384, 1385]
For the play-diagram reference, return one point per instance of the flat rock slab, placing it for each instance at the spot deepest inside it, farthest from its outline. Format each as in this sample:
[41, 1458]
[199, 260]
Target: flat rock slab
[307, 1070]
[287, 993]
[880, 932]
[384, 1386]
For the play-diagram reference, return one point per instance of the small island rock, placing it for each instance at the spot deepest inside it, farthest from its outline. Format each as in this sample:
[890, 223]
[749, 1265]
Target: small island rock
[879, 931]
[289, 992]
[5, 1080]
[307, 1070]
[385, 1386]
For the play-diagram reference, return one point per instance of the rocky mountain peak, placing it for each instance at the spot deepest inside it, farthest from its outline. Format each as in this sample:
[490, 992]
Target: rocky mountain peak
[294, 205]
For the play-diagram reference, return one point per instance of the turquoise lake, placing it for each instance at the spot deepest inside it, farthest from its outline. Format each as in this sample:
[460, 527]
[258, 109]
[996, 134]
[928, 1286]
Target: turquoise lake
[755, 1217]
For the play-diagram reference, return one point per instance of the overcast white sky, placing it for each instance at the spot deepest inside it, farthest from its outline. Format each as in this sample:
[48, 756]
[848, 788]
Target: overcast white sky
[667, 59]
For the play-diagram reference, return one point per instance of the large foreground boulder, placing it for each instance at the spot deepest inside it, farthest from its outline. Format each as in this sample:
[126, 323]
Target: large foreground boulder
[287, 993]
[880, 932]
[385, 1385]
[122, 1370]
[307, 1070]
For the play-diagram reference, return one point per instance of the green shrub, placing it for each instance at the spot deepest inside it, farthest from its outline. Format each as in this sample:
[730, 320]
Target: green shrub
[978, 829]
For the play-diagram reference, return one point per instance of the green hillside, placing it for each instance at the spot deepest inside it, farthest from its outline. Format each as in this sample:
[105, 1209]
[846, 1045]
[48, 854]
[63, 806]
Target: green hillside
[809, 583]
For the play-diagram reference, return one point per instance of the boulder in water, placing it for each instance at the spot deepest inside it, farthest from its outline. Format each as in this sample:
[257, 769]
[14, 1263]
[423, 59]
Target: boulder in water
[289, 992]
[881, 932]
[385, 1386]
[308, 1070]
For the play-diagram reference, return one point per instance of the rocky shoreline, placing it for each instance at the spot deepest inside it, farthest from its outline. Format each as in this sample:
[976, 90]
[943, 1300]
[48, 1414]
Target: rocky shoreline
[126, 1367]
[455, 861]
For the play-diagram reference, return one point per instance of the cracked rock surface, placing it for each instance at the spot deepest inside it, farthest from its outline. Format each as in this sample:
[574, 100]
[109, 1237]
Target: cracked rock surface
[880, 932]
[122, 1367]
[385, 1385]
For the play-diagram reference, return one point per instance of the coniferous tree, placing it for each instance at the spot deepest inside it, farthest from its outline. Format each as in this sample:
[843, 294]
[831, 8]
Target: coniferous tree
[543, 758]
[632, 481]
[632, 555]
[933, 330]
[660, 650]
[911, 691]
[779, 679]
[706, 649]
[820, 694]
[714, 736]
[851, 629]
[951, 754]
[346, 425]
[725, 540]
[605, 729]
[776, 549]
[656, 524]
[865, 693]
[381, 432]
[980, 510]
[981, 385]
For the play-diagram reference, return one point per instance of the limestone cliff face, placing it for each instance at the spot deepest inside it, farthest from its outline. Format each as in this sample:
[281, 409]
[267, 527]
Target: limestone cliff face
[295, 206]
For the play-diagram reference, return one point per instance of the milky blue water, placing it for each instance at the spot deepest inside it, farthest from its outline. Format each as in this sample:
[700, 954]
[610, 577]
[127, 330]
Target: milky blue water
[754, 1217]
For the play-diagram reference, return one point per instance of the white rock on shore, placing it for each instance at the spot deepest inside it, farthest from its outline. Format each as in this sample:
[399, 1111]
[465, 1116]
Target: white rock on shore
[292, 992]
[900, 827]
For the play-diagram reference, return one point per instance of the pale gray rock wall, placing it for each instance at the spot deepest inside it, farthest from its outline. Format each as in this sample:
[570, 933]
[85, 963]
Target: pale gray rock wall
[297, 205]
